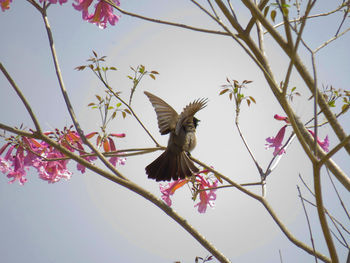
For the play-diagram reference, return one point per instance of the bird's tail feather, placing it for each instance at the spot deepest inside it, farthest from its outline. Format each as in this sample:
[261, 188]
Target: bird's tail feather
[171, 165]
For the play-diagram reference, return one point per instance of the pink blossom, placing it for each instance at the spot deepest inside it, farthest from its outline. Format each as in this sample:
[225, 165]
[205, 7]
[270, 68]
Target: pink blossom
[18, 172]
[115, 159]
[170, 188]
[5, 4]
[5, 165]
[103, 14]
[83, 5]
[324, 144]
[276, 142]
[281, 118]
[53, 171]
[205, 197]
[81, 167]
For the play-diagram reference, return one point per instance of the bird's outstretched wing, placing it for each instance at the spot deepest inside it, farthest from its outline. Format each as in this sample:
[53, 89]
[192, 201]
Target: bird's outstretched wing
[189, 111]
[166, 115]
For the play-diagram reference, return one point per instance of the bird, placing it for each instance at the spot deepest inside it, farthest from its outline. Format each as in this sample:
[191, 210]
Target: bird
[174, 163]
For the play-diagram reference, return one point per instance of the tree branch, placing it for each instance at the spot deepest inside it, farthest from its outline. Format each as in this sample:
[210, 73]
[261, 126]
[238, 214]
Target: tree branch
[21, 96]
[158, 21]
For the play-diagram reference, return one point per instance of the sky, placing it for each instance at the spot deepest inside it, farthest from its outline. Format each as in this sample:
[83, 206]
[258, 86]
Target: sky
[89, 219]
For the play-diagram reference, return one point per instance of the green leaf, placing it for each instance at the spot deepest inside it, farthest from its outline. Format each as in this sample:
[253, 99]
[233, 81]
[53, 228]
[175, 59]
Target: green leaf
[99, 98]
[119, 104]
[113, 68]
[273, 15]
[142, 69]
[345, 107]
[331, 103]
[294, 88]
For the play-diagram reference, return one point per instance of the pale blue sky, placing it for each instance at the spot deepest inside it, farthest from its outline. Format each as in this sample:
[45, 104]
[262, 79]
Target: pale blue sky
[89, 219]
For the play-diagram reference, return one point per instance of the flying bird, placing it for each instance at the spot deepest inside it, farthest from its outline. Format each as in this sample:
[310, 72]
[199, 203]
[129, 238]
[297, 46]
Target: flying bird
[174, 162]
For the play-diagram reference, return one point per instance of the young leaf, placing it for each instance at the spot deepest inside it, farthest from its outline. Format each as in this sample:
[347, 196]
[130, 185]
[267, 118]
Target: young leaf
[273, 15]
[252, 99]
[345, 107]
[152, 76]
[266, 10]
[223, 91]
[124, 114]
[91, 104]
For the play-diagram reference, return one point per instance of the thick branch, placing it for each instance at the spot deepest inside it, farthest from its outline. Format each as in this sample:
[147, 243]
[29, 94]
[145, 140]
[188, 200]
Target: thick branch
[302, 71]
[322, 216]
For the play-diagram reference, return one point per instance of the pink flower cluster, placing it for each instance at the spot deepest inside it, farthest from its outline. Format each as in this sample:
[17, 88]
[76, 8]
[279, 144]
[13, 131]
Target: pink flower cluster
[201, 183]
[276, 142]
[102, 15]
[103, 12]
[49, 162]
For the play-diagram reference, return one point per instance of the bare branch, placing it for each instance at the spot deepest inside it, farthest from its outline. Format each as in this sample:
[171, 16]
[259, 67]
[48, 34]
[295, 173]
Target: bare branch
[308, 221]
[331, 40]
[158, 21]
[21, 96]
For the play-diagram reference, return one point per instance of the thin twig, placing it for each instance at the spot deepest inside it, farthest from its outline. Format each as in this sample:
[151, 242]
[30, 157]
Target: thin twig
[346, 12]
[335, 222]
[22, 97]
[338, 195]
[271, 167]
[158, 21]
[308, 17]
[308, 221]
[331, 40]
